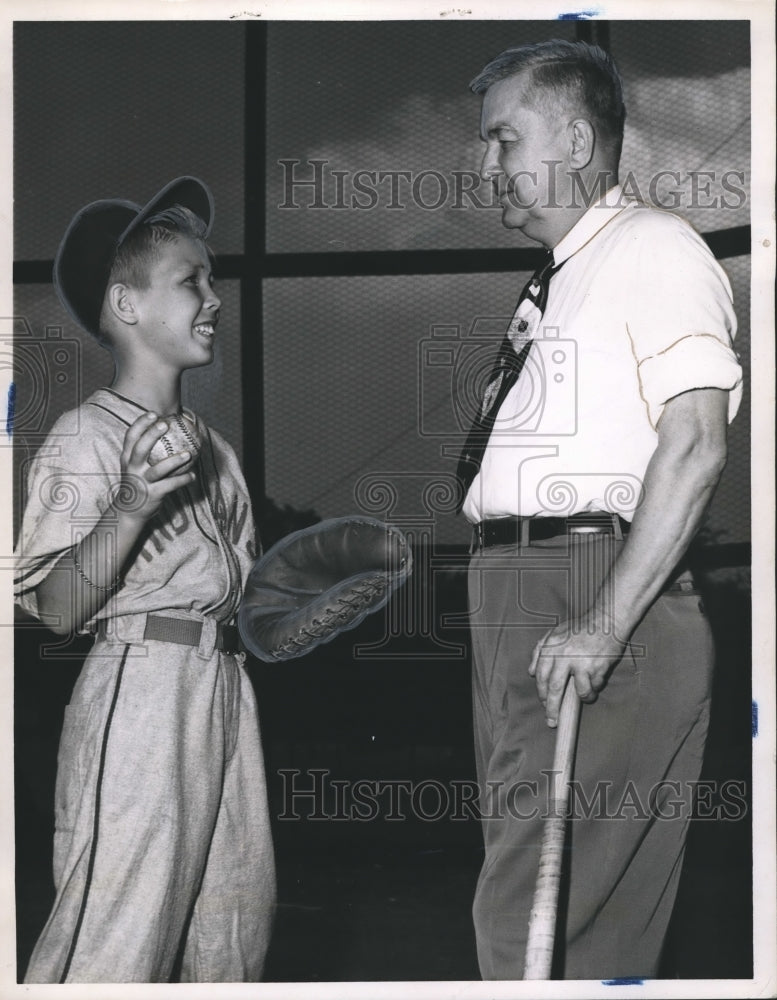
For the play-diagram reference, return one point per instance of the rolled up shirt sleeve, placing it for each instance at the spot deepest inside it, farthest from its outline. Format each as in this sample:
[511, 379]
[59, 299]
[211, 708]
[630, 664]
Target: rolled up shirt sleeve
[681, 319]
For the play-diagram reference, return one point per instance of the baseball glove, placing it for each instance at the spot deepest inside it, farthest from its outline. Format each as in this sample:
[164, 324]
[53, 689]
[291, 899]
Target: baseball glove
[316, 583]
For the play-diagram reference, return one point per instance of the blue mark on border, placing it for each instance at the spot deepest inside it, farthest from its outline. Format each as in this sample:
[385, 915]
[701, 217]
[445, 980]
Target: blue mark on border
[625, 981]
[10, 409]
[754, 718]
[579, 15]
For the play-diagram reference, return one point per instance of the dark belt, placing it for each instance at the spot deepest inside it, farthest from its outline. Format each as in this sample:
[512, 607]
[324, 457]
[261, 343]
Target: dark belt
[185, 631]
[525, 530]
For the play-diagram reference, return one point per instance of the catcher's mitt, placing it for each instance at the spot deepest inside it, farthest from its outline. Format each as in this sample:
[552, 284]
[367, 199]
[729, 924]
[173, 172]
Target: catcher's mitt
[315, 583]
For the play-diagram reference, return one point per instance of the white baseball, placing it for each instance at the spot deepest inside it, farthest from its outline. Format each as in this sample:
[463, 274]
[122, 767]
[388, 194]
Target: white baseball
[181, 435]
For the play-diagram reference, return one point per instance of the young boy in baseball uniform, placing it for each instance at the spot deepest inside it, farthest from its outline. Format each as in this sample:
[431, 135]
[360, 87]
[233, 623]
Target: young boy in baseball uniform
[162, 849]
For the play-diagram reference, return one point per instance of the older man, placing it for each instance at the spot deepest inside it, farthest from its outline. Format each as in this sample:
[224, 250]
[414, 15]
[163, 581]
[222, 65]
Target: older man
[600, 442]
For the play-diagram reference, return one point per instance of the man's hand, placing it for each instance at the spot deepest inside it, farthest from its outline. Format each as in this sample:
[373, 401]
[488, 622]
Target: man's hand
[587, 648]
[679, 481]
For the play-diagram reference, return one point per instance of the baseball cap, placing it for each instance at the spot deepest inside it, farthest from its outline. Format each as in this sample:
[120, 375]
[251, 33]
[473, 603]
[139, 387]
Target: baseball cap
[85, 256]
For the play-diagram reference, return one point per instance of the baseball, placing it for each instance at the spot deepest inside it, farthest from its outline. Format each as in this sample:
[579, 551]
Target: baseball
[181, 435]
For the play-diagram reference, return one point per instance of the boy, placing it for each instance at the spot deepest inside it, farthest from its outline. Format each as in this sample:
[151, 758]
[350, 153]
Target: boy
[162, 849]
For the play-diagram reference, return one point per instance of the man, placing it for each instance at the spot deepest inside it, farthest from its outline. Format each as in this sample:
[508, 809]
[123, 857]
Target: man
[586, 477]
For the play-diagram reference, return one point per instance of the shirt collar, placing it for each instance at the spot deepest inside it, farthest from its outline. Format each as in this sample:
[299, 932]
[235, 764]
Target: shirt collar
[595, 219]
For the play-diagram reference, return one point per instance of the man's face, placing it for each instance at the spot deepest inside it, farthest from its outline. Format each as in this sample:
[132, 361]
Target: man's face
[525, 159]
[179, 310]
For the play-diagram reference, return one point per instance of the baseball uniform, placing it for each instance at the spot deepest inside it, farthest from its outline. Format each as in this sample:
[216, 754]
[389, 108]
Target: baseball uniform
[162, 838]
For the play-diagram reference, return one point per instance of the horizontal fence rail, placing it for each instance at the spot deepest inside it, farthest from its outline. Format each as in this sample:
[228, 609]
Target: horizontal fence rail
[724, 243]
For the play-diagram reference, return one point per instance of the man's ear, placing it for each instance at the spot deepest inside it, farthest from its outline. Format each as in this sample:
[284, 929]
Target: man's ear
[583, 141]
[120, 303]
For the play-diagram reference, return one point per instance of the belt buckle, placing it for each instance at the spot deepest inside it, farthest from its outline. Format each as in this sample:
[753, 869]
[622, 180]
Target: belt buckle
[227, 638]
[602, 528]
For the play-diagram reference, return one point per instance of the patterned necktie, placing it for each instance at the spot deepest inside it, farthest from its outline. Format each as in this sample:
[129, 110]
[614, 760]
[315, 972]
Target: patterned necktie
[509, 363]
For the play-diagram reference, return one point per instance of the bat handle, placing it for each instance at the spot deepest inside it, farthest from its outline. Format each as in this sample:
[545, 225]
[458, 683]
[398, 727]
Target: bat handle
[542, 922]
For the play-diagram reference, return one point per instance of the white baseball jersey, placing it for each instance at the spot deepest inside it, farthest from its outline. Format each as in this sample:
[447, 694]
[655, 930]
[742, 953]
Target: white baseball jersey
[193, 555]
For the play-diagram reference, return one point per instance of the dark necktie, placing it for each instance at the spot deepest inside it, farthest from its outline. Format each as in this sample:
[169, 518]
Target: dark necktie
[508, 365]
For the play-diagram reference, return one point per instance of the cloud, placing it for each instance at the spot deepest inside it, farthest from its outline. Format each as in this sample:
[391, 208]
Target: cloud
[426, 151]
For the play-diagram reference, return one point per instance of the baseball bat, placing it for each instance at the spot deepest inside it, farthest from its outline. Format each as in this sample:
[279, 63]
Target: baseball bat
[542, 921]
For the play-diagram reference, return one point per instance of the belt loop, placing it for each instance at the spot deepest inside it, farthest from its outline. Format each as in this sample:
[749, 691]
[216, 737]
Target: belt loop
[208, 638]
[525, 532]
[616, 527]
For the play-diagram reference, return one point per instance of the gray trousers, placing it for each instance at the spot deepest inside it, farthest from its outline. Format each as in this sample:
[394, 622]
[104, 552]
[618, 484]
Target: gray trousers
[639, 751]
[162, 840]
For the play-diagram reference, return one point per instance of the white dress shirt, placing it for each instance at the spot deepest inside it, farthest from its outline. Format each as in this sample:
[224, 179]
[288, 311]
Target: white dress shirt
[639, 313]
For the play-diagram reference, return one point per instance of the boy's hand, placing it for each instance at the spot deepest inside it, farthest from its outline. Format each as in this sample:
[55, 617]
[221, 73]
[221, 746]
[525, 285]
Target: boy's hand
[145, 486]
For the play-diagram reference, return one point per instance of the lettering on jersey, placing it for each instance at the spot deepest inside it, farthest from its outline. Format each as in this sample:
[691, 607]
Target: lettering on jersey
[231, 523]
[175, 523]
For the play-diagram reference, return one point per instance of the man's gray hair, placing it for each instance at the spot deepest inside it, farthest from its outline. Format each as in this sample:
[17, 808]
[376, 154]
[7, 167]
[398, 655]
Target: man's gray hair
[575, 74]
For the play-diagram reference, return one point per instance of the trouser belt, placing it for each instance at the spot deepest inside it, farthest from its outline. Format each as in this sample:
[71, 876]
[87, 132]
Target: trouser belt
[525, 530]
[185, 631]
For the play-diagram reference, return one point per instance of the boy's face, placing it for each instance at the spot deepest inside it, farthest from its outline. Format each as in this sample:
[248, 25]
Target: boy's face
[178, 311]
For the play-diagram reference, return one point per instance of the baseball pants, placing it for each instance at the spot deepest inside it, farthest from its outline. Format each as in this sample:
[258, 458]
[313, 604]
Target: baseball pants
[639, 751]
[162, 846]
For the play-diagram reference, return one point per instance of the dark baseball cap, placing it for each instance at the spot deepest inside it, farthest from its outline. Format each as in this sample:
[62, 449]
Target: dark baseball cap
[85, 256]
